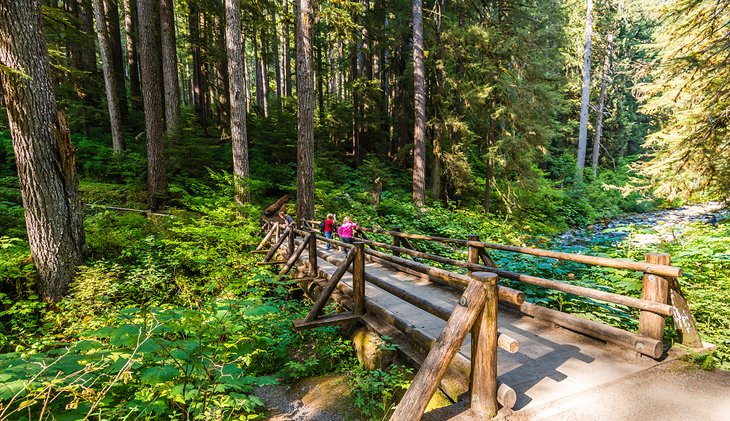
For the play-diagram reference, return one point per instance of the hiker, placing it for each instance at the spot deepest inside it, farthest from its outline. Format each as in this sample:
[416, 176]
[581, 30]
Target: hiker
[346, 229]
[328, 226]
[713, 221]
[288, 220]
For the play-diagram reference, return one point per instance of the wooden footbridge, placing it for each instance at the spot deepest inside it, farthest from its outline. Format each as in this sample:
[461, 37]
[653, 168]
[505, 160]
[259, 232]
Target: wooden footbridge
[471, 336]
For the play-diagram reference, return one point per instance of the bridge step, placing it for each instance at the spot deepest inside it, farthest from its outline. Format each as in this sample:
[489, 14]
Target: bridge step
[333, 319]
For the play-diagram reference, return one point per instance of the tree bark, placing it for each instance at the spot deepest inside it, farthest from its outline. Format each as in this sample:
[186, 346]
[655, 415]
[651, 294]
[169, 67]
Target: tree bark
[287, 54]
[114, 35]
[305, 117]
[221, 71]
[265, 72]
[151, 66]
[43, 152]
[199, 85]
[585, 95]
[601, 101]
[419, 105]
[236, 64]
[130, 25]
[110, 81]
[169, 64]
[277, 61]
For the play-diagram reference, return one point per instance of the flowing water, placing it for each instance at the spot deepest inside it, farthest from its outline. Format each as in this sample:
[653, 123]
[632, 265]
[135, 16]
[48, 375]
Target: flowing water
[643, 229]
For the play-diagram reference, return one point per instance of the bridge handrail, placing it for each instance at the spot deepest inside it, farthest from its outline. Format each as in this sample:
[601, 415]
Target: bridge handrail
[652, 268]
[641, 304]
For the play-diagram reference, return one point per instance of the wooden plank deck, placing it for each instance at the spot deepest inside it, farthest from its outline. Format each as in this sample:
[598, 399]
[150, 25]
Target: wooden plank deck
[552, 362]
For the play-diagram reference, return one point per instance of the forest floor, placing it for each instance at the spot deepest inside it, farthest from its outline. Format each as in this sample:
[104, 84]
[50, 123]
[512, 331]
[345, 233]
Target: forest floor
[674, 390]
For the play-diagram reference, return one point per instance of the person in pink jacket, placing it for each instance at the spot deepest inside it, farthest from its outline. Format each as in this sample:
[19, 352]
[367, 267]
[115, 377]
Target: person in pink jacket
[345, 230]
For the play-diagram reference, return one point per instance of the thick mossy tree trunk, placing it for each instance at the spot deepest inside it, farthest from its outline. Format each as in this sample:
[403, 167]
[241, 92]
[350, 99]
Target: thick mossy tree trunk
[236, 63]
[151, 66]
[110, 81]
[305, 117]
[169, 65]
[419, 105]
[43, 151]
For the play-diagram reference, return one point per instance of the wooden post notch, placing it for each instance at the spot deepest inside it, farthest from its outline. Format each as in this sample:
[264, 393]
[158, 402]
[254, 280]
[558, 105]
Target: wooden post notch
[313, 319]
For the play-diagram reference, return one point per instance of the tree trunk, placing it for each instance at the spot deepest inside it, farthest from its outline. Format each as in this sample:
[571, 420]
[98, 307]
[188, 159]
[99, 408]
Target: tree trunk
[151, 66]
[259, 77]
[354, 76]
[287, 56]
[43, 152]
[169, 64]
[222, 78]
[277, 61]
[199, 87]
[419, 105]
[265, 71]
[236, 64]
[601, 101]
[115, 42]
[305, 117]
[585, 95]
[110, 81]
[130, 25]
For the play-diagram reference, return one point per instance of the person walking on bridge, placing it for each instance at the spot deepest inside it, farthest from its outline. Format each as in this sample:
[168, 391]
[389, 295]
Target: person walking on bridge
[328, 228]
[345, 230]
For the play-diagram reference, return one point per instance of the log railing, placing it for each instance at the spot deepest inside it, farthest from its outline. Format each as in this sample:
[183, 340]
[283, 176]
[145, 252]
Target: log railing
[476, 312]
[477, 308]
[661, 294]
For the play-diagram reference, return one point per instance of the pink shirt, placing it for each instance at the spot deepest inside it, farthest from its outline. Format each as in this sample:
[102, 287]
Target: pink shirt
[345, 230]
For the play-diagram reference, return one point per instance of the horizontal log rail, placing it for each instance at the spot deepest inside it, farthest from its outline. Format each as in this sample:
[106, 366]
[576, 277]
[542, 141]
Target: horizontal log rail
[653, 306]
[656, 269]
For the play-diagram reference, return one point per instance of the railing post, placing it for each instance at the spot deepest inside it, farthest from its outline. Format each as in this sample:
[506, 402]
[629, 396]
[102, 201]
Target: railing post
[396, 241]
[484, 351]
[276, 233]
[655, 288]
[313, 255]
[473, 251]
[291, 240]
[358, 280]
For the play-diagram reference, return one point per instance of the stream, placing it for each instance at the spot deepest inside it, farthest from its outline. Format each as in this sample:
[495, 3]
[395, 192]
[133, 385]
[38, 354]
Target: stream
[642, 229]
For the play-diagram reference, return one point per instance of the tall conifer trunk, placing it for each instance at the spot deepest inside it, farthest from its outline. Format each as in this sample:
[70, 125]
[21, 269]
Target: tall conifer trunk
[169, 65]
[115, 42]
[43, 152]
[110, 81]
[151, 66]
[236, 64]
[419, 105]
[601, 101]
[130, 26]
[585, 95]
[305, 116]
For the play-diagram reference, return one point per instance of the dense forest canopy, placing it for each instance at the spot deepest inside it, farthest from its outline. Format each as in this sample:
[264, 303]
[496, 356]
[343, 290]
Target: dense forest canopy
[514, 119]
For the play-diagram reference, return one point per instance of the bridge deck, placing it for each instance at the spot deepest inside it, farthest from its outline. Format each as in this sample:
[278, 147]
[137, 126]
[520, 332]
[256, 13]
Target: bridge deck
[552, 362]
